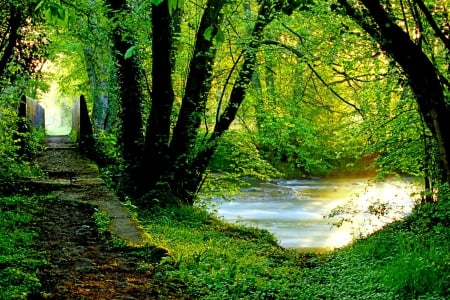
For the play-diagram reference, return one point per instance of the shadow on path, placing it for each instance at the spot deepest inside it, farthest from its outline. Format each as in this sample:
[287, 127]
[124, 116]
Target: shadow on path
[76, 178]
[81, 263]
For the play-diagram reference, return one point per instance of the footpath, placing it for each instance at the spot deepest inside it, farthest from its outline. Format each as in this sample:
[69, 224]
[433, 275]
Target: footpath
[75, 178]
[81, 262]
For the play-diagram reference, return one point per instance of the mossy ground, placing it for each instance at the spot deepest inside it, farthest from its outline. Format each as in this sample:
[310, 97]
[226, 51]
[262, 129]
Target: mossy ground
[54, 247]
[62, 255]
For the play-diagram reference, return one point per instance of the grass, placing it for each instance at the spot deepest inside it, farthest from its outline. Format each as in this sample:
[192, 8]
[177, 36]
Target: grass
[409, 259]
[19, 263]
[217, 260]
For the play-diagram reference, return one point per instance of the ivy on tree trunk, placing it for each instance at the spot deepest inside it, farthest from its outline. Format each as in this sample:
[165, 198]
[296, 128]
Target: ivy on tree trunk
[129, 74]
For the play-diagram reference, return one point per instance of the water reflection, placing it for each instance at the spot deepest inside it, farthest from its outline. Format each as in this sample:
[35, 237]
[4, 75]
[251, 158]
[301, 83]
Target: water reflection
[295, 210]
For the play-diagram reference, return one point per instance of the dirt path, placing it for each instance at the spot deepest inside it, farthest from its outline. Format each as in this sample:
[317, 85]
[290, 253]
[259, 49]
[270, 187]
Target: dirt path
[81, 263]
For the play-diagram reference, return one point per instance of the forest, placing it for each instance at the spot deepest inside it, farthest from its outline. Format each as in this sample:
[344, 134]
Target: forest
[194, 97]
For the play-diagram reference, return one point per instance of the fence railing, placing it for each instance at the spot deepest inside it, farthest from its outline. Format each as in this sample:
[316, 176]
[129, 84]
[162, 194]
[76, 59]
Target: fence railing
[31, 114]
[82, 126]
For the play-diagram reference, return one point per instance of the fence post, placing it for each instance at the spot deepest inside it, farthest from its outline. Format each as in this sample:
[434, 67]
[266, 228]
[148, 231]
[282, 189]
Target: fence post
[22, 126]
[76, 120]
[81, 125]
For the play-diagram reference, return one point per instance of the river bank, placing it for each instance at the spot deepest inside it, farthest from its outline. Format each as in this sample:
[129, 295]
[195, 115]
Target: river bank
[208, 258]
[408, 259]
[60, 247]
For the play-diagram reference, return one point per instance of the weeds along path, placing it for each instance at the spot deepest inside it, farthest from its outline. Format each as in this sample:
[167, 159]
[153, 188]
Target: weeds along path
[81, 263]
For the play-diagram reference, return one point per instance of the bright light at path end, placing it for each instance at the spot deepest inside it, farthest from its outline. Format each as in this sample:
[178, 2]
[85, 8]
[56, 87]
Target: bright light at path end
[56, 116]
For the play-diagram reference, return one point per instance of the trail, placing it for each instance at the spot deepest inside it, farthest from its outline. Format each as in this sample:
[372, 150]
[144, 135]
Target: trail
[82, 264]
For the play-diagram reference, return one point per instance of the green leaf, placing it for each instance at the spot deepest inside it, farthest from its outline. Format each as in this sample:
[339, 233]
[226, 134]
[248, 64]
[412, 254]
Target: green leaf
[61, 13]
[55, 11]
[130, 52]
[156, 2]
[173, 5]
[208, 33]
[220, 36]
[39, 5]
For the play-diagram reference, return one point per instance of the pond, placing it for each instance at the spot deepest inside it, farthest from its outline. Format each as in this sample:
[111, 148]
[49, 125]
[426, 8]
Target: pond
[297, 211]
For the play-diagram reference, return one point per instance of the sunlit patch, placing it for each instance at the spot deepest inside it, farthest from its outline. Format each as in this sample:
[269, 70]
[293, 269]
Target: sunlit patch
[339, 238]
[57, 107]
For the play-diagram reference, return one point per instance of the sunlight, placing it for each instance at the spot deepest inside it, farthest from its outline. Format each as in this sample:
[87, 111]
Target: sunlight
[57, 120]
[340, 237]
[372, 208]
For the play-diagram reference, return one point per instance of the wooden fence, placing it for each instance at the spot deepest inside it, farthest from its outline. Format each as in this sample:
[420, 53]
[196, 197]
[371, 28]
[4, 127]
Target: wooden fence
[32, 112]
[81, 126]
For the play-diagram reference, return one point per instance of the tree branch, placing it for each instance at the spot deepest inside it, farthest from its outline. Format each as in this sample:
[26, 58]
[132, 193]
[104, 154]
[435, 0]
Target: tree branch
[300, 55]
[433, 24]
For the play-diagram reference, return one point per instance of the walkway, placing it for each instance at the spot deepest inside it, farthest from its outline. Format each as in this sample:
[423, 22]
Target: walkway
[80, 262]
[72, 177]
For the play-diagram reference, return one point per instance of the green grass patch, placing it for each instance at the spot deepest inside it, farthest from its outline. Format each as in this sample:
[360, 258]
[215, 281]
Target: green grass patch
[19, 263]
[218, 260]
[103, 221]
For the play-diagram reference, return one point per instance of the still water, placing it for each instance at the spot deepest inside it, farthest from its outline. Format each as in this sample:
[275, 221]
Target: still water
[297, 211]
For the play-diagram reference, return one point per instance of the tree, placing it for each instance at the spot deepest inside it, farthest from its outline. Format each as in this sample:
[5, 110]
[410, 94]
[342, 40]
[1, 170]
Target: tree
[21, 46]
[415, 35]
[131, 97]
[174, 159]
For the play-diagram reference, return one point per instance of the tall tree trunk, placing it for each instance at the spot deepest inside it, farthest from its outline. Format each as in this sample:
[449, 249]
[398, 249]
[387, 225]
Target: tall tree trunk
[422, 74]
[197, 87]
[155, 160]
[189, 179]
[129, 75]
[11, 37]
[193, 106]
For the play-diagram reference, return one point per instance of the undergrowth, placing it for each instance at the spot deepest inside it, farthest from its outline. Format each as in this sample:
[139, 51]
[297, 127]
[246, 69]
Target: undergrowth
[406, 260]
[409, 259]
[19, 263]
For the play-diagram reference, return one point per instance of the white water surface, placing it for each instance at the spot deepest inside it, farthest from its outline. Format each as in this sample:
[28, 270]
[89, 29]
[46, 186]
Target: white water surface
[296, 211]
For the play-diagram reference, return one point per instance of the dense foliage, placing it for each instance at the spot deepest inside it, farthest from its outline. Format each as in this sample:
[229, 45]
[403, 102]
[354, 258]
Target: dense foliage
[19, 262]
[22, 51]
[197, 95]
[301, 86]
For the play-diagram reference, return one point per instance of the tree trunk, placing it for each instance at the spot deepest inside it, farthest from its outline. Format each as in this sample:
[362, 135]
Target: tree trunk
[155, 160]
[422, 74]
[197, 87]
[11, 37]
[129, 75]
[191, 178]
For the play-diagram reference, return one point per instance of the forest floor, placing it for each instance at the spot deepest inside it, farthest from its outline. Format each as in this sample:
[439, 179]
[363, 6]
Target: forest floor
[73, 239]
[83, 263]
